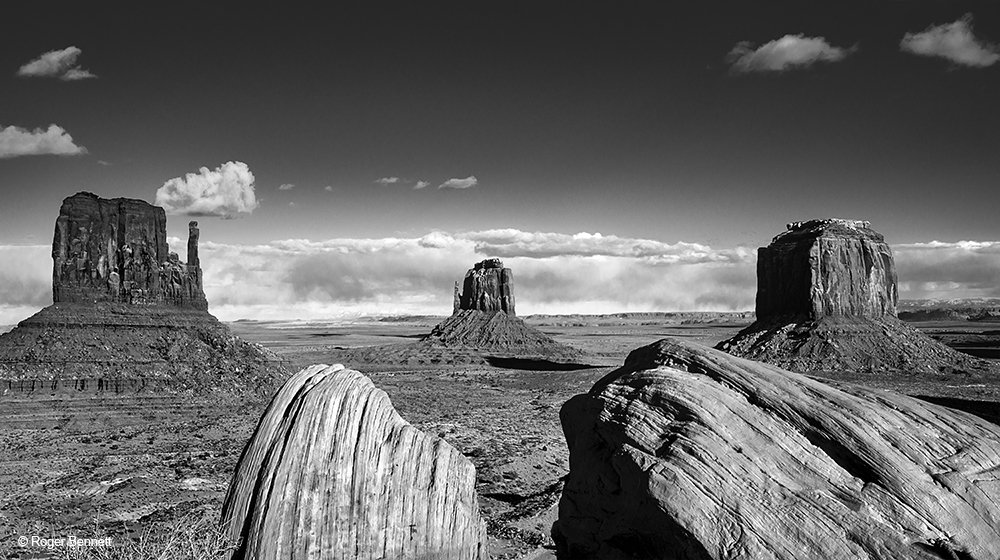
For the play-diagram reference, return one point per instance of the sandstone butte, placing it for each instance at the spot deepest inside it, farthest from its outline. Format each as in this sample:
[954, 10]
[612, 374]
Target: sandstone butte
[826, 301]
[482, 327]
[333, 472]
[689, 453]
[127, 314]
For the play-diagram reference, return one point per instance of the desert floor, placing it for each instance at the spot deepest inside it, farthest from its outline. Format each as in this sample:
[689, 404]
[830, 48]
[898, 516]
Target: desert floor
[134, 465]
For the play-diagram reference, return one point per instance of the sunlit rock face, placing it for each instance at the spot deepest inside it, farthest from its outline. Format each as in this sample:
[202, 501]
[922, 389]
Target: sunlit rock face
[830, 267]
[688, 453]
[116, 251]
[333, 472]
[488, 286]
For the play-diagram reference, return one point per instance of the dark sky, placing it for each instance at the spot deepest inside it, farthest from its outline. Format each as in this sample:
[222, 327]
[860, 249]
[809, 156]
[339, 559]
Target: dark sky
[617, 117]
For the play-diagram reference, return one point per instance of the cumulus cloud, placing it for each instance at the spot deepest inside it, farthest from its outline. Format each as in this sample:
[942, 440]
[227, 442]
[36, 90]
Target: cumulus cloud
[786, 53]
[421, 184]
[16, 141]
[328, 188]
[286, 187]
[225, 192]
[387, 180]
[454, 183]
[59, 64]
[952, 41]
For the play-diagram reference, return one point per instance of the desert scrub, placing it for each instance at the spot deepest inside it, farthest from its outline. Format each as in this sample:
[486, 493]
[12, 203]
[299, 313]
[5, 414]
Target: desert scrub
[195, 536]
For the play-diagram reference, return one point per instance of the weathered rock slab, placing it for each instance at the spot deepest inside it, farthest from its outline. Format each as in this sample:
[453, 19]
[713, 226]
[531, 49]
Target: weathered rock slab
[333, 472]
[690, 453]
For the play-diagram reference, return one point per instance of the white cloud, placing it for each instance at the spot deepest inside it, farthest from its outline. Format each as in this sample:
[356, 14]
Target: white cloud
[286, 187]
[103, 163]
[56, 64]
[553, 273]
[421, 184]
[952, 41]
[226, 192]
[16, 141]
[387, 180]
[328, 188]
[454, 183]
[786, 53]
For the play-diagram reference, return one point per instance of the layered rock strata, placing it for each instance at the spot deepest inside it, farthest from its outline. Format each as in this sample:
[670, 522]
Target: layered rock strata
[333, 472]
[487, 286]
[127, 314]
[690, 453]
[826, 301]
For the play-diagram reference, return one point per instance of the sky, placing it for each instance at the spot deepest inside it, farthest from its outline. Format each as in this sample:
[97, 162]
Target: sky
[618, 155]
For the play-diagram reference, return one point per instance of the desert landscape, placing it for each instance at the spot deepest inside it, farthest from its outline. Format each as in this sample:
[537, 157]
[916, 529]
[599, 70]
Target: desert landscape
[520, 281]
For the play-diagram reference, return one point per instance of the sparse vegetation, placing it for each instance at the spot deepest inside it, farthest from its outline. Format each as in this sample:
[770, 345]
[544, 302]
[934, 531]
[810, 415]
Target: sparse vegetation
[196, 536]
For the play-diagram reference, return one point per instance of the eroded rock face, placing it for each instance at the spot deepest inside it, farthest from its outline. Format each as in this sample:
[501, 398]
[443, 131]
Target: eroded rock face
[826, 302]
[116, 251]
[826, 268]
[333, 472]
[488, 286]
[128, 315]
[689, 453]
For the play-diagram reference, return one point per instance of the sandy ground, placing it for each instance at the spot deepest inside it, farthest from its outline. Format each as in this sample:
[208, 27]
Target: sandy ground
[133, 463]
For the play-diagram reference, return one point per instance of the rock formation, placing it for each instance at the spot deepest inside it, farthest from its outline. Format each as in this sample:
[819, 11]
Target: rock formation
[116, 251]
[482, 327]
[826, 301]
[333, 472]
[488, 286]
[127, 313]
[824, 268]
[690, 453]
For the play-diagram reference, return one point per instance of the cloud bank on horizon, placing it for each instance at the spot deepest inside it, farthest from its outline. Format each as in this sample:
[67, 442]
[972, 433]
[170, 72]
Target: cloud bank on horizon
[954, 41]
[787, 53]
[553, 273]
[16, 142]
[60, 64]
[225, 192]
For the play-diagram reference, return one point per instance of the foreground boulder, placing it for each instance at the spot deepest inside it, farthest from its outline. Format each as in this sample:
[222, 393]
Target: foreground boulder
[690, 453]
[333, 472]
[826, 302]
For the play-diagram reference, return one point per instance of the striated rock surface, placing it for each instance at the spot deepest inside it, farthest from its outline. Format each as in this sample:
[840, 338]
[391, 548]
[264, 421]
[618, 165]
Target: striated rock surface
[825, 268]
[690, 453]
[333, 472]
[826, 301]
[488, 286]
[116, 251]
[128, 315]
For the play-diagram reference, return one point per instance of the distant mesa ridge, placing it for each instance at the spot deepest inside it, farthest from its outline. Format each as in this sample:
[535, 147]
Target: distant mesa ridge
[826, 301]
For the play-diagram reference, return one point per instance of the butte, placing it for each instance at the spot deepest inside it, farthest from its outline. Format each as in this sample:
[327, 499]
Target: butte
[826, 302]
[127, 314]
[483, 328]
